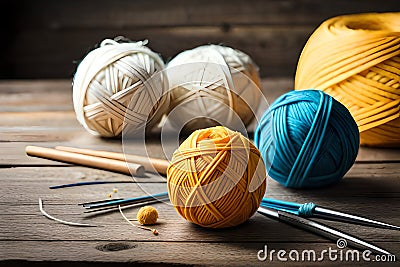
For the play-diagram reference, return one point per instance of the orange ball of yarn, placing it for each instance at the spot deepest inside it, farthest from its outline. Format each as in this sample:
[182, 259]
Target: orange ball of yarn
[147, 215]
[356, 59]
[216, 178]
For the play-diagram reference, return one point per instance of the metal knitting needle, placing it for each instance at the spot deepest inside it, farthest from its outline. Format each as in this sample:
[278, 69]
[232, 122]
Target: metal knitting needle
[312, 210]
[99, 201]
[115, 208]
[320, 229]
[88, 183]
[161, 196]
[324, 213]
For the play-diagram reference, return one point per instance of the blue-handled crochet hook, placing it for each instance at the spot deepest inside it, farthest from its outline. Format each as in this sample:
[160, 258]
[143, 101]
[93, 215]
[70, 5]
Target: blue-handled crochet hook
[312, 210]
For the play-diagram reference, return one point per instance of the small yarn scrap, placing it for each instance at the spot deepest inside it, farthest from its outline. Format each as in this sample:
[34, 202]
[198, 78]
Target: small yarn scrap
[147, 215]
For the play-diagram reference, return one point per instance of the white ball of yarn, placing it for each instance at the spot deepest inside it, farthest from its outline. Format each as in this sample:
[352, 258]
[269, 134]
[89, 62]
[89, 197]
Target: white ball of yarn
[110, 91]
[211, 85]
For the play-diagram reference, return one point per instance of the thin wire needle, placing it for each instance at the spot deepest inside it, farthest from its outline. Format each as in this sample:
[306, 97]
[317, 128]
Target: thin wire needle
[341, 216]
[113, 208]
[61, 221]
[312, 210]
[102, 204]
[320, 229]
[87, 183]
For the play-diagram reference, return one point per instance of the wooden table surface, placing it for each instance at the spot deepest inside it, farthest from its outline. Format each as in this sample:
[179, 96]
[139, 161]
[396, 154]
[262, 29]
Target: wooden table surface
[40, 113]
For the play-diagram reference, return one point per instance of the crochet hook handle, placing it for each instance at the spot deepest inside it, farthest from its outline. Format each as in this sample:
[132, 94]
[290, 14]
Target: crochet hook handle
[305, 209]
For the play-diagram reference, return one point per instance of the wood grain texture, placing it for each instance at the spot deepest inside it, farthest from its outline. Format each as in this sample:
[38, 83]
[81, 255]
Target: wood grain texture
[358, 193]
[146, 253]
[45, 115]
[125, 13]
[363, 189]
[275, 49]
[45, 37]
[369, 189]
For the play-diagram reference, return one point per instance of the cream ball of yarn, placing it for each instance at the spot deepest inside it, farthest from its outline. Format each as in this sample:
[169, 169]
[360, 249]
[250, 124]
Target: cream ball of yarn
[212, 85]
[110, 89]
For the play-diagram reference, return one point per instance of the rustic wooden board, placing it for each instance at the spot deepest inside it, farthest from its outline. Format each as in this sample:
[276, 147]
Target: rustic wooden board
[45, 117]
[56, 95]
[124, 13]
[176, 253]
[274, 49]
[370, 189]
[272, 32]
[34, 95]
[363, 190]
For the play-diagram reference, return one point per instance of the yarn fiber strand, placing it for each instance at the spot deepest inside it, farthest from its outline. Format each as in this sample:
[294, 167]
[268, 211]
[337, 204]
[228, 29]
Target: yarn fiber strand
[112, 89]
[216, 178]
[307, 139]
[356, 59]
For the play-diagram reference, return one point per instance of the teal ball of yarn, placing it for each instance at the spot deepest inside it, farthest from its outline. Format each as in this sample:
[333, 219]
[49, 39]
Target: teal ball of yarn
[307, 139]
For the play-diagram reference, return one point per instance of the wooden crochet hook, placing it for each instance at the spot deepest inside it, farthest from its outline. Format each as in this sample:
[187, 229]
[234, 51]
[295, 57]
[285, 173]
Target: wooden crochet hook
[150, 164]
[86, 160]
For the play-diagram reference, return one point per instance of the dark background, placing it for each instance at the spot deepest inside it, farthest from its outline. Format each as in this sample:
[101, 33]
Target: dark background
[42, 39]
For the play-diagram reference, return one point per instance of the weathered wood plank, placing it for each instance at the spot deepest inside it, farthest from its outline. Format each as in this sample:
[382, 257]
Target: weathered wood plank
[56, 95]
[367, 191]
[28, 224]
[35, 95]
[44, 120]
[274, 49]
[13, 153]
[363, 179]
[271, 31]
[36, 126]
[125, 14]
[48, 124]
[175, 253]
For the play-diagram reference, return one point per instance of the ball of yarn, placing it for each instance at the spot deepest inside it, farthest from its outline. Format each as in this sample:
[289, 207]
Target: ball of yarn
[213, 85]
[307, 139]
[216, 178]
[110, 91]
[147, 215]
[356, 59]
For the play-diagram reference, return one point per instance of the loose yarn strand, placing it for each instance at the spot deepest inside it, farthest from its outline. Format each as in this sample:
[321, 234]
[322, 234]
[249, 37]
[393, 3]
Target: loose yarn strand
[154, 231]
[59, 220]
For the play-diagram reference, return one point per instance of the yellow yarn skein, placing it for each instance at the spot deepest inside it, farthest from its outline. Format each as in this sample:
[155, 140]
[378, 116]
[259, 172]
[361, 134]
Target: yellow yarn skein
[356, 59]
[216, 178]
